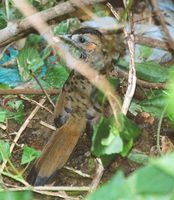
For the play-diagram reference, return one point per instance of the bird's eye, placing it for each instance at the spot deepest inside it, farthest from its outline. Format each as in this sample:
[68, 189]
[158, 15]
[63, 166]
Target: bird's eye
[81, 39]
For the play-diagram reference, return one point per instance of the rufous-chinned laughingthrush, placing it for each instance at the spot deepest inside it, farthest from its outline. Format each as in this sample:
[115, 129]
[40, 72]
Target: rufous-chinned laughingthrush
[74, 110]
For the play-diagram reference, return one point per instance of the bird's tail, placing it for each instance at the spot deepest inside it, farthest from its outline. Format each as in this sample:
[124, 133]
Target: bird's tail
[56, 152]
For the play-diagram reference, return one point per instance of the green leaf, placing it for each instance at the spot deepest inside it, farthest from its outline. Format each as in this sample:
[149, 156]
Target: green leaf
[145, 52]
[170, 96]
[33, 40]
[56, 76]
[152, 182]
[4, 86]
[129, 133]
[138, 157]
[15, 104]
[107, 139]
[3, 115]
[18, 113]
[158, 101]
[28, 59]
[148, 71]
[4, 150]
[29, 154]
[154, 105]
[26, 195]
[3, 22]
[165, 165]
[115, 184]
[100, 10]
[67, 26]
[101, 136]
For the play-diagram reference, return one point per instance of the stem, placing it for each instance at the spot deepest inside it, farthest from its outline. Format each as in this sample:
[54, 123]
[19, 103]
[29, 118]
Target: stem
[158, 130]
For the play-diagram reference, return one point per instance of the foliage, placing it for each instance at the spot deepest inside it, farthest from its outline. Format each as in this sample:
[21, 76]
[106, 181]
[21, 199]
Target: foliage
[3, 22]
[170, 97]
[3, 115]
[4, 150]
[27, 195]
[100, 10]
[154, 181]
[56, 76]
[15, 110]
[148, 71]
[29, 60]
[29, 154]
[107, 139]
[153, 104]
[145, 52]
[67, 26]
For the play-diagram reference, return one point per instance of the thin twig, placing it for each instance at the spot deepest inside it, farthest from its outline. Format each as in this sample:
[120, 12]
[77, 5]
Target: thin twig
[77, 172]
[169, 38]
[56, 194]
[35, 102]
[17, 30]
[50, 188]
[159, 129]
[23, 127]
[3, 127]
[47, 125]
[83, 7]
[98, 175]
[28, 91]
[44, 91]
[5, 48]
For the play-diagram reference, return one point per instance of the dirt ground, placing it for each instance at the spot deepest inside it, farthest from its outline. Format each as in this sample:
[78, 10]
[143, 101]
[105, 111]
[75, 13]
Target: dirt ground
[37, 135]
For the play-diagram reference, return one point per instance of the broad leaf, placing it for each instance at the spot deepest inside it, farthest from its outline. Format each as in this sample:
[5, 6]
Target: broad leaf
[3, 22]
[67, 26]
[4, 150]
[145, 52]
[28, 59]
[107, 139]
[3, 115]
[17, 112]
[26, 195]
[154, 181]
[152, 72]
[170, 96]
[29, 154]
[56, 76]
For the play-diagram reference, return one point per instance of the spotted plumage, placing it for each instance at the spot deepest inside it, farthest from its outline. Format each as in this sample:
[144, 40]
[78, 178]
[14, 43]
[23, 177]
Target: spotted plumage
[74, 109]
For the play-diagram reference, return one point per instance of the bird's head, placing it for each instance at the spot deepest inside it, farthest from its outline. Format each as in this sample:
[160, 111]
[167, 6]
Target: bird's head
[90, 44]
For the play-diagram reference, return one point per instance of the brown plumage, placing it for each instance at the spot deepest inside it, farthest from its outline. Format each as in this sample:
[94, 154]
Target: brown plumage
[74, 109]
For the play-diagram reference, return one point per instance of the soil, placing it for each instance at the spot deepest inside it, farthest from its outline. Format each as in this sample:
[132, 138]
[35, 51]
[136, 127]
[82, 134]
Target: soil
[36, 136]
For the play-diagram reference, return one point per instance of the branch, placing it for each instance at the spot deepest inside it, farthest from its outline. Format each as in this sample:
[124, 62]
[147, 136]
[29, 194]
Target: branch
[132, 71]
[117, 72]
[16, 30]
[154, 43]
[28, 91]
[169, 38]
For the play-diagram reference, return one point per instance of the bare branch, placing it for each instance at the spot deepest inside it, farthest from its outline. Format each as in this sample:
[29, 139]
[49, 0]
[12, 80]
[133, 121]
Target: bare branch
[16, 30]
[28, 91]
[132, 72]
[169, 38]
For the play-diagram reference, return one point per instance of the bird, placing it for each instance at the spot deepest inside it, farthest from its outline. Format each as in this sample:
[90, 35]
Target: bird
[76, 109]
